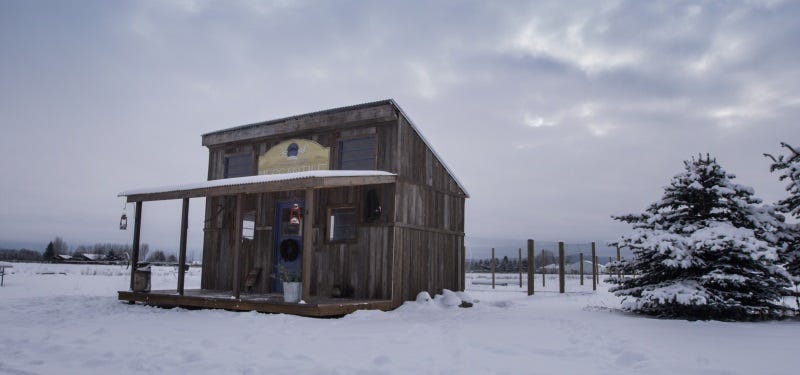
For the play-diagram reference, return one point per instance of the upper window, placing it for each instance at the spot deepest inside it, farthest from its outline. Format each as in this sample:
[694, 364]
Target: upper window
[238, 165]
[357, 153]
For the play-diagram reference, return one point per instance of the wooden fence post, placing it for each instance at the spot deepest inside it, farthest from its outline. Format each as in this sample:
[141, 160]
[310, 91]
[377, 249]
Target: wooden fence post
[530, 267]
[581, 267]
[492, 268]
[519, 263]
[561, 267]
[619, 258]
[544, 269]
[597, 265]
[594, 269]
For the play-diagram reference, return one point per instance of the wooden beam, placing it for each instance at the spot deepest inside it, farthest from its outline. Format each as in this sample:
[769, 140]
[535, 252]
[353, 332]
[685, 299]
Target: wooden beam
[182, 249]
[308, 243]
[137, 230]
[237, 246]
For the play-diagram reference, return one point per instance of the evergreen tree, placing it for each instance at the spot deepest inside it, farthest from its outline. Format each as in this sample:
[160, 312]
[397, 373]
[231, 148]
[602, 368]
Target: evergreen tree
[789, 168]
[706, 250]
[157, 256]
[59, 246]
[49, 252]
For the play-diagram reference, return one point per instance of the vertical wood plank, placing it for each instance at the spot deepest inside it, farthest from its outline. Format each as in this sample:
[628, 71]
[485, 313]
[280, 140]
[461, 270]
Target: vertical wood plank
[463, 274]
[182, 248]
[581, 267]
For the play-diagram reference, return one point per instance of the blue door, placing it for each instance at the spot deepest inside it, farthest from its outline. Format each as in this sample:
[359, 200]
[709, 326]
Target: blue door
[288, 249]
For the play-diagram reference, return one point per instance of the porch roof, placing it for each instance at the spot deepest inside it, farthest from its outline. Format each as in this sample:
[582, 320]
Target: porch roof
[261, 184]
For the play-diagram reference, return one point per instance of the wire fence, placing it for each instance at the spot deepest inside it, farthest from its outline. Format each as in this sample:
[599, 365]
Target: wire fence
[555, 267]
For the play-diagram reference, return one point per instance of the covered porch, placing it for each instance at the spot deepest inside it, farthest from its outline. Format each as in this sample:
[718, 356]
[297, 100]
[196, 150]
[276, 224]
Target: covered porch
[240, 297]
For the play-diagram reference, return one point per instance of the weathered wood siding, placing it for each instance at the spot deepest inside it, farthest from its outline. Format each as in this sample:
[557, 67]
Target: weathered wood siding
[364, 264]
[429, 221]
[218, 242]
[416, 245]
[429, 261]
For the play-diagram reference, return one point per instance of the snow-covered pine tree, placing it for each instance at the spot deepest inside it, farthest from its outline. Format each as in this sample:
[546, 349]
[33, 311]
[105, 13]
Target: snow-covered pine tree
[789, 168]
[706, 250]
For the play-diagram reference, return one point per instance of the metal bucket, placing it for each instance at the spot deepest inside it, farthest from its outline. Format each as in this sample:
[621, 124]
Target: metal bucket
[291, 292]
[141, 279]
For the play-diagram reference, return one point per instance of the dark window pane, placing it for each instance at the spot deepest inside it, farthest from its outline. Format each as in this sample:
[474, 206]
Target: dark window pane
[358, 154]
[238, 165]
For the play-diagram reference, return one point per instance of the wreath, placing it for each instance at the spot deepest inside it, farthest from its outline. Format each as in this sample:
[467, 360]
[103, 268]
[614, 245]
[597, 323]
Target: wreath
[289, 250]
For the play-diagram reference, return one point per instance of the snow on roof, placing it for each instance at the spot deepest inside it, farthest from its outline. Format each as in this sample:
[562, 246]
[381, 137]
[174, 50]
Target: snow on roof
[254, 180]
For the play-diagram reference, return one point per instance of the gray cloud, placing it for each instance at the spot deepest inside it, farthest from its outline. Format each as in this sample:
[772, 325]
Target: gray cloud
[554, 115]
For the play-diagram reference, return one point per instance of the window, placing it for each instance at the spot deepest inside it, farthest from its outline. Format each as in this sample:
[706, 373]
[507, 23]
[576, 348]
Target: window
[341, 224]
[238, 165]
[357, 153]
[248, 225]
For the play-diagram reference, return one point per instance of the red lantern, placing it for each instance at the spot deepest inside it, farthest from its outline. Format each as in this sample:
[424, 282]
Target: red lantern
[295, 215]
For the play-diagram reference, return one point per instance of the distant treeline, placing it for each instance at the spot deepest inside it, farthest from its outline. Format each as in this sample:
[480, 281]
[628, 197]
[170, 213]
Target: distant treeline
[506, 264]
[20, 255]
[58, 251]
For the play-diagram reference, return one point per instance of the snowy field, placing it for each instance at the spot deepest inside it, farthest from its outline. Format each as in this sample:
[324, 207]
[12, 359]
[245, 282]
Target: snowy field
[65, 319]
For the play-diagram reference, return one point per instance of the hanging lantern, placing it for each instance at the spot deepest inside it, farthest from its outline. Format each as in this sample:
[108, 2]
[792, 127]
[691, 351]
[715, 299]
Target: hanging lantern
[294, 219]
[123, 222]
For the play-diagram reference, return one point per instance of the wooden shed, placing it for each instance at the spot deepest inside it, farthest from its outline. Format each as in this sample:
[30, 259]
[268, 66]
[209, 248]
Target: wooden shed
[353, 198]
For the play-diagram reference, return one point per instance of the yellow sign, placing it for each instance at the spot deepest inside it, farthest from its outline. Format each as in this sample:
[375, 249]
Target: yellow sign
[294, 155]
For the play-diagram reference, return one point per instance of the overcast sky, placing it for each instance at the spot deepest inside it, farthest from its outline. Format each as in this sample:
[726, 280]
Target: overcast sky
[554, 115]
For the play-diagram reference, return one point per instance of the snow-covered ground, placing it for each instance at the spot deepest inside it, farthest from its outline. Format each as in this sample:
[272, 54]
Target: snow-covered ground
[70, 322]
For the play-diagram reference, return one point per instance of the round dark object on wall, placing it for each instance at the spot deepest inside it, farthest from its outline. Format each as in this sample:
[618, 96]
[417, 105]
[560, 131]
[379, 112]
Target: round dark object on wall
[289, 250]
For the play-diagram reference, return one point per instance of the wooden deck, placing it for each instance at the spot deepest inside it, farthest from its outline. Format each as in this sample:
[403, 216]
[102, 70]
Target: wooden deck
[268, 303]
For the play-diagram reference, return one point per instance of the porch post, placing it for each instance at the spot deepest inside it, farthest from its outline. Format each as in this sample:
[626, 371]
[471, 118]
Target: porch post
[137, 229]
[237, 246]
[308, 243]
[182, 249]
